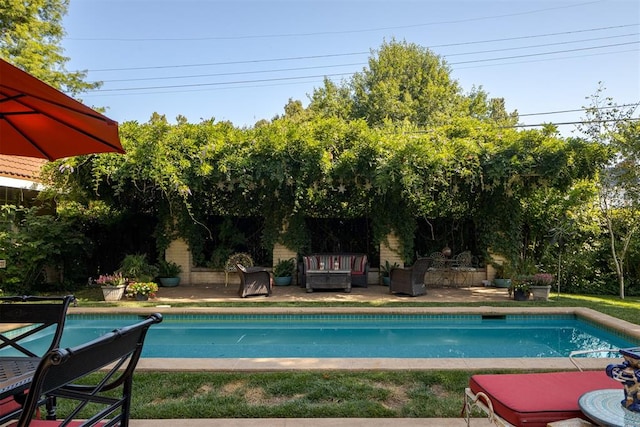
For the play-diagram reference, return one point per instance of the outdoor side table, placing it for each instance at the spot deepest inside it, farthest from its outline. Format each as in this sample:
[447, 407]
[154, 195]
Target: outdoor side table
[604, 408]
[329, 279]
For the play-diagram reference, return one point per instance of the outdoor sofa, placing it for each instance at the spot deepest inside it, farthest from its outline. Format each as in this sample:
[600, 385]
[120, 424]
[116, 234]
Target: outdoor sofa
[357, 263]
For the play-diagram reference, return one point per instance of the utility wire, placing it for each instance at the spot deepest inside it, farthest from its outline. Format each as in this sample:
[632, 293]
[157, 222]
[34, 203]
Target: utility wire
[576, 110]
[271, 84]
[343, 74]
[544, 53]
[275, 79]
[632, 119]
[540, 45]
[296, 58]
[348, 64]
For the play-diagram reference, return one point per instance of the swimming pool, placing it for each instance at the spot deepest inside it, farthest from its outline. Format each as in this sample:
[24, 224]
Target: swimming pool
[359, 335]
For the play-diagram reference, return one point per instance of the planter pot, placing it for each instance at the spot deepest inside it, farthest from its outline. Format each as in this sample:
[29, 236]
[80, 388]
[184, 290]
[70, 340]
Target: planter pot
[386, 280]
[282, 281]
[520, 295]
[540, 293]
[140, 297]
[169, 282]
[501, 283]
[112, 293]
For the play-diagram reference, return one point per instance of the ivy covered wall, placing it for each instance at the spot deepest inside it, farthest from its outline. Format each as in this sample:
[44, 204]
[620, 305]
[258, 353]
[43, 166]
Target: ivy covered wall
[288, 171]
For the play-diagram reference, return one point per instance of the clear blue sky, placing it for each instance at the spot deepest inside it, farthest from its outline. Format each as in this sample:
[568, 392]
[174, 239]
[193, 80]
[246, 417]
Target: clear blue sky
[241, 60]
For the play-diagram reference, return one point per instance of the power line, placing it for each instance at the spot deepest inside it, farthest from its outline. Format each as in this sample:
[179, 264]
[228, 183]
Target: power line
[576, 110]
[224, 83]
[235, 73]
[540, 45]
[344, 65]
[544, 53]
[296, 58]
[343, 74]
[485, 65]
[563, 33]
[583, 122]
[250, 61]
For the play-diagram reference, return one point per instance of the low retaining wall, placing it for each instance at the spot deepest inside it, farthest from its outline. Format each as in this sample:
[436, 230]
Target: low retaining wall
[206, 276]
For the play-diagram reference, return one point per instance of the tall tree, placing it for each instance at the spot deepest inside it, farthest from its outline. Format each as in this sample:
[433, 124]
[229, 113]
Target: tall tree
[30, 38]
[332, 100]
[619, 183]
[405, 81]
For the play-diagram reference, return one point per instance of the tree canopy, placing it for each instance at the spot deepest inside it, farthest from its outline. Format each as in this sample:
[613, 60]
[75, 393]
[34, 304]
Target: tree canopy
[31, 32]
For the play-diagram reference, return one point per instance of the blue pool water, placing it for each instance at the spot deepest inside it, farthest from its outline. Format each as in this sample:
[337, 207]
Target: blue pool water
[352, 336]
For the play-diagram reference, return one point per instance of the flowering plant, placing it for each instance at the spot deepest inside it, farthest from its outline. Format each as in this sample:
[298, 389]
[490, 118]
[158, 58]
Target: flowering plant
[142, 288]
[115, 279]
[522, 284]
[542, 279]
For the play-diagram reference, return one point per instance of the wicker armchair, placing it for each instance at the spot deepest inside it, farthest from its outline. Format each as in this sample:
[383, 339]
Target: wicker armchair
[410, 280]
[254, 281]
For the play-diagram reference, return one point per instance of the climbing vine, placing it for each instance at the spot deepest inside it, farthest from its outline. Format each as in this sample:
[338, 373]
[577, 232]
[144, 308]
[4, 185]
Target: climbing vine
[287, 170]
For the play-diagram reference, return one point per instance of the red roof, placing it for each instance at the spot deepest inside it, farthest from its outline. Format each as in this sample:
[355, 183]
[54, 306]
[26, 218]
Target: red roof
[25, 168]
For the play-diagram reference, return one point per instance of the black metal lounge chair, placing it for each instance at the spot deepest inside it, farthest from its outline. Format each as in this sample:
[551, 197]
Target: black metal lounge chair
[410, 280]
[18, 357]
[114, 356]
[254, 281]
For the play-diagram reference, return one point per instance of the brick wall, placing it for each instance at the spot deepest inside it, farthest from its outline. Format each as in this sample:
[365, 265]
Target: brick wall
[178, 252]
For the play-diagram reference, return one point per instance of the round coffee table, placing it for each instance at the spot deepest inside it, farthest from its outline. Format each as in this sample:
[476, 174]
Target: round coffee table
[604, 407]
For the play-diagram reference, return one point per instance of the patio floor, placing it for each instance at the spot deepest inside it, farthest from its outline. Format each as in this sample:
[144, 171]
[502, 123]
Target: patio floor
[220, 292]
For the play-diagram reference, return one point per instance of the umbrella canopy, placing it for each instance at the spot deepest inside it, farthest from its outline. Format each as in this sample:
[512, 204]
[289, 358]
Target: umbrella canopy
[37, 120]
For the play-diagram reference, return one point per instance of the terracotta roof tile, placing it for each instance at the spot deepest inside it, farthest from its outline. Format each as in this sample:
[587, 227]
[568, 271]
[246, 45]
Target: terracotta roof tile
[27, 168]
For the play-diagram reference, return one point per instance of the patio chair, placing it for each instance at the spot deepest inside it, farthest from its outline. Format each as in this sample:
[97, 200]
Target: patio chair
[19, 351]
[410, 280]
[231, 265]
[254, 281]
[463, 267]
[113, 357]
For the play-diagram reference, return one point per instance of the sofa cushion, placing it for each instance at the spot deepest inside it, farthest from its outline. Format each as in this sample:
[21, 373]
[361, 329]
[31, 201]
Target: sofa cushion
[359, 264]
[326, 261]
[310, 263]
[345, 262]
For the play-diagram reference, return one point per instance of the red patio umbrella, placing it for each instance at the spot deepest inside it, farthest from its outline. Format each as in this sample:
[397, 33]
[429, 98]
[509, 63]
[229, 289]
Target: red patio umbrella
[37, 120]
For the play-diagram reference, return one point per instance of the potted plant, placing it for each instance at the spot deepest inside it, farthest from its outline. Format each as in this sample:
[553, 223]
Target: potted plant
[137, 269]
[502, 278]
[541, 286]
[142, 291]
[169, 273]
[112, 285]
[520, 288]
[283, 271]
[385, 271]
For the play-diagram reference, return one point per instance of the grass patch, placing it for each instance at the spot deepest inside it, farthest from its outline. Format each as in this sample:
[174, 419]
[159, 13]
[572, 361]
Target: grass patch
[162, 395]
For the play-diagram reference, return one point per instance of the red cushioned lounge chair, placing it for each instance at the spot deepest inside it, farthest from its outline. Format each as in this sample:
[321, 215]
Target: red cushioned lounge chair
[532, 399]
